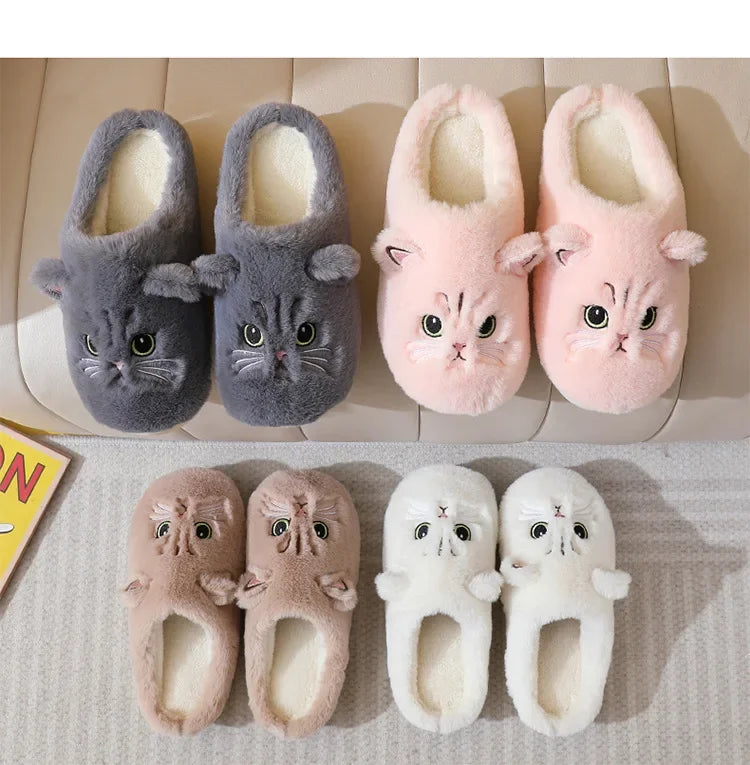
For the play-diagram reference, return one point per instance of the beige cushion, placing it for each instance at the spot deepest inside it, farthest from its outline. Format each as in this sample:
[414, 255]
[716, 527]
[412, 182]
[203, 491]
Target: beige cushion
[49, 110]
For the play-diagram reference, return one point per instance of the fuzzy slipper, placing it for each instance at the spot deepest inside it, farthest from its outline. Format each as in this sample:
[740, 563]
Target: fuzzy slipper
[558, 564]
[187, 544]
[299, 591]
[611, 301]
[136, 325]
[287, 308]
[439, 581]
[453, 311]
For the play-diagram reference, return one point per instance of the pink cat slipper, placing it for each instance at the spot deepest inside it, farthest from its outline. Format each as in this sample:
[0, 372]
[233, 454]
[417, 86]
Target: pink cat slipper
[186, 554]
[453, 299]
[299, 591]
[611, 300]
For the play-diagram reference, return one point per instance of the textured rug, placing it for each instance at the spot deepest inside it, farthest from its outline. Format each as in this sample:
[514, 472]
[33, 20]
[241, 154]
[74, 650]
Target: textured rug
[678, 688]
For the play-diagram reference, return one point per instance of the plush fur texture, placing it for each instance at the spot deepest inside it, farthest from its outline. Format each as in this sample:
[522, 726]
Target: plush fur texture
[284, 276]
[432, 566]
[627, 260]
[105, 282]
[463, 265]
[186, 555]
[558, 562]
[302, 564]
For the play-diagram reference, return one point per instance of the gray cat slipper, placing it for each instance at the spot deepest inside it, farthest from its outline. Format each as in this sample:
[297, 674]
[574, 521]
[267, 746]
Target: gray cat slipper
[286, 310]
[136, 321]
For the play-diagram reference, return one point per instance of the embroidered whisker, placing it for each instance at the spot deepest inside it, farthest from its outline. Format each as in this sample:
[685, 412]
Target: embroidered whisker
[247, 368]
[152, 374]
[312, 364]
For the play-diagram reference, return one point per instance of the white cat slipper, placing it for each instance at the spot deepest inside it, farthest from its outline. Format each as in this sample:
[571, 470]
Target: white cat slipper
[558, 564]
[439, 582]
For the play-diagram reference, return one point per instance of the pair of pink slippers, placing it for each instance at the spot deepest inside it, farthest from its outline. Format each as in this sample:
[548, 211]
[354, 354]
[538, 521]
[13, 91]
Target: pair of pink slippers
[291, 562]
[610, 296]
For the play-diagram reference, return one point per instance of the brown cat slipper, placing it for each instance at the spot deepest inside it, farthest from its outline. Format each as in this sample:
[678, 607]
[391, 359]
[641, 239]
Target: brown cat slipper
[186, 553]
[299, 591]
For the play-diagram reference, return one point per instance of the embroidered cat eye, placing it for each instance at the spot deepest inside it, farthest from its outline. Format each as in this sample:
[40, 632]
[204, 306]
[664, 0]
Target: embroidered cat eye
[305, 333]
[253, 336]
[538, 530]
[321, 529]
[595, 316]
[162, 529]
[203, 530]
[421, 531]
[488, 327]
[432, 325]
[279, 527]
[649, 318]
[143, 344]
[90, 347]
[462, 531]
[580, 531]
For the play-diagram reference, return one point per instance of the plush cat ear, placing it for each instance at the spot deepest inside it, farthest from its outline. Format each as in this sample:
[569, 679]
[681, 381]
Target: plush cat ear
[173, 280]
[392, 248]
[50, 276]
[206, 275]
[521, 254]
[684, 245]
[340, 589]
[215, 273]
[565, 240]
[220, 588]
[135, 591]
[337, 263]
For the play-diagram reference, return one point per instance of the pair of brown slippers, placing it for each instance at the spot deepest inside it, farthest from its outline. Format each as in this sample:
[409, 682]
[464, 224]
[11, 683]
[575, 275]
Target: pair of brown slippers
[291, 562]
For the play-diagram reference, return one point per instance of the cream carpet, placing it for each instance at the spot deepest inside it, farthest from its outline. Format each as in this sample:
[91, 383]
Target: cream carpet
[679, 686]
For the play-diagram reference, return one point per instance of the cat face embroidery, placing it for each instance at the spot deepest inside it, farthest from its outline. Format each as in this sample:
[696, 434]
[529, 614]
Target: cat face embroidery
[186, 527]
[137, 350]
[455, 331]
[444, 527]
[556, 517]
[303, 525]
[279, 342]
[611, 331]
[284, 354]
[441, 516]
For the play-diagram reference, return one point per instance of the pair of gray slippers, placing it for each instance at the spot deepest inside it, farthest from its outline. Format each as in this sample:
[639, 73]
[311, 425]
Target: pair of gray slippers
[135, 291]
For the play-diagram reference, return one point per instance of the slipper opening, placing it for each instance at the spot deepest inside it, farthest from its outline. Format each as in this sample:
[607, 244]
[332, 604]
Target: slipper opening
[559, 666]
[184, 652]
[281, 176]
[136, 179]
[605, 158]
[456, 173]
[298, 655]
[440, 677]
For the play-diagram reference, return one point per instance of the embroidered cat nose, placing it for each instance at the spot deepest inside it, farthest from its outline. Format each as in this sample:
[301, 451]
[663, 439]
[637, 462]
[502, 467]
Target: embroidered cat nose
[459, 346]
[280, 355]
[443, 514]
[119, 365]
[621, 337]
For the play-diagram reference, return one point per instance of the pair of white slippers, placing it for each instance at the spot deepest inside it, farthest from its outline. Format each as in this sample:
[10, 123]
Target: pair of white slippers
[558, 582]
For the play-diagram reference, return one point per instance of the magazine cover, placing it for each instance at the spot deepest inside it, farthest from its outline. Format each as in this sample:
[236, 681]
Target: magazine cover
[29, 474]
